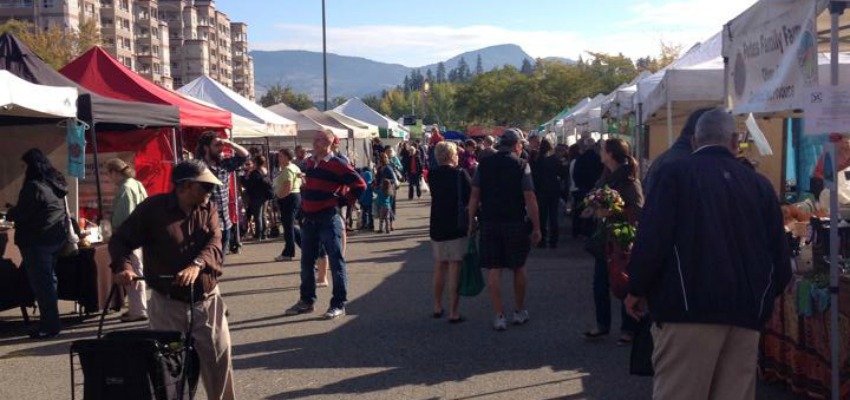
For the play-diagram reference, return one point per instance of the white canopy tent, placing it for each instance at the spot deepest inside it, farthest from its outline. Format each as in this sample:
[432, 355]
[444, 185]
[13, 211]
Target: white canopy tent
[579, 119]
[19, 98]
[620, 102]
[29, 118]
[356, 108]
[691, 82]
[307, 127]
[208, 90]
[561, 127]
[364, 129]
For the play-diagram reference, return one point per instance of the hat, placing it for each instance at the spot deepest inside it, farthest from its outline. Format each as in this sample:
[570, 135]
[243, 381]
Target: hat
[193, 171]
[116, 164]
[509, 137]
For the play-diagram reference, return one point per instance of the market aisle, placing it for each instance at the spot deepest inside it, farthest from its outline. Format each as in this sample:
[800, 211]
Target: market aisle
[388, 347]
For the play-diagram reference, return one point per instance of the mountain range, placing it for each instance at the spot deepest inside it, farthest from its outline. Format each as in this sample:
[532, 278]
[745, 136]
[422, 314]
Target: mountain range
[355, 76]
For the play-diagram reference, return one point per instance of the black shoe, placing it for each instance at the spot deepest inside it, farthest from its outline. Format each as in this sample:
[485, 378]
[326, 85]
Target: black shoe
[40, 335]
[595, 334]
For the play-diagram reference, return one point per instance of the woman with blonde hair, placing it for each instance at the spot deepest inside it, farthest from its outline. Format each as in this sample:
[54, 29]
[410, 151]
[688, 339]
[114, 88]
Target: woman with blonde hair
[450, 188]
[128, 195]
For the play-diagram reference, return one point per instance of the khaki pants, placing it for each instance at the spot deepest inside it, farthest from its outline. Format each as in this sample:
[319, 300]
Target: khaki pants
[211, 334]
[704, 362]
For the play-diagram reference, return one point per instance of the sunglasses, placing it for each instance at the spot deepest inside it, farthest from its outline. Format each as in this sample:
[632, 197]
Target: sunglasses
[207, 187]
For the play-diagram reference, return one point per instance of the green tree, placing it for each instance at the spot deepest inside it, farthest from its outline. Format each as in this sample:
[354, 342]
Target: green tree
[479, 65]
[526, 68]
[338, 101]
[441, 72]
[279, 93]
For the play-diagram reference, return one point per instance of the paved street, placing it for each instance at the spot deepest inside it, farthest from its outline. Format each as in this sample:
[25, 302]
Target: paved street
[388, 347]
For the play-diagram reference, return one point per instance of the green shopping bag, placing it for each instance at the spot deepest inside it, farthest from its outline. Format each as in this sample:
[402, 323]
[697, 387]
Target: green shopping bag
[471, 278]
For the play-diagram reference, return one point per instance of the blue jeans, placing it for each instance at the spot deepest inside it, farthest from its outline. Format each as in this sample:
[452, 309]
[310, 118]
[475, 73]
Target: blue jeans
[225, 242]
[40, 264]
[325, 232]
[602, 300]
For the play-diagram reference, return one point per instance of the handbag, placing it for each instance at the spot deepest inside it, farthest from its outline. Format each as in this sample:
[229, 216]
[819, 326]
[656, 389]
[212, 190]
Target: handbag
[72, 241]
[471, 281]
[462, 212]
[595, 243]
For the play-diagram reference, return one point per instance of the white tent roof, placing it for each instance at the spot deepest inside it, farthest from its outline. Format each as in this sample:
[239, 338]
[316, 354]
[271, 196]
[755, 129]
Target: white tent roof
[307, 127]
[19, 98]
[206, 89]
[620, 103]
[327, 120]
[361, 129]
[696, 77]
[356, 108]
[582, 116]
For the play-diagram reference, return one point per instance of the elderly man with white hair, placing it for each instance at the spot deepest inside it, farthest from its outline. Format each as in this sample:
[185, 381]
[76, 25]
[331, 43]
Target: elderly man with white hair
[710, 258]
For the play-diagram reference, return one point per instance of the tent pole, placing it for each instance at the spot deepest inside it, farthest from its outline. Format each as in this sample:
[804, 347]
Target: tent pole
[174, 144]
[97, 173]
[669, 123]
[836, 8]
[640, 131]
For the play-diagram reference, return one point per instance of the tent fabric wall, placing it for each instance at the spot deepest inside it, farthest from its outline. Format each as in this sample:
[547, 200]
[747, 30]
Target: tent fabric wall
[98, 71]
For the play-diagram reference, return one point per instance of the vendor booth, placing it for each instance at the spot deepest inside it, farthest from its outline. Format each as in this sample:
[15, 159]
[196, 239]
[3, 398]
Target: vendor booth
[132, 124]
[307, 127]
[805, 344]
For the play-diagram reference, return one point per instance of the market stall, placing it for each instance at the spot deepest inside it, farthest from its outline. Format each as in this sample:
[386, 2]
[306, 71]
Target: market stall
[356, 108]
[805, 343]
[356, 145]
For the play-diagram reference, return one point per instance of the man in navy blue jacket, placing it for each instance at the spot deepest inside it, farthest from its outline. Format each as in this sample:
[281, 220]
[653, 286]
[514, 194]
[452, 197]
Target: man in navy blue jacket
[710, 258]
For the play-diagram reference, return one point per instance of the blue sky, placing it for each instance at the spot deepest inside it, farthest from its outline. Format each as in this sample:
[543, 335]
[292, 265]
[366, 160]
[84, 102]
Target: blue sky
[416, 33]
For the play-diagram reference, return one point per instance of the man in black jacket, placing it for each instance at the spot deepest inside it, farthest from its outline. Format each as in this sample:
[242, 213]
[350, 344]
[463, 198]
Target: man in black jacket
[681, 149]
[710, 258]
[586, 171]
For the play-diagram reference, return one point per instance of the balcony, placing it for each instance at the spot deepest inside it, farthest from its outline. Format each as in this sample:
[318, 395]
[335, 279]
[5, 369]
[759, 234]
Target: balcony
[15, 3]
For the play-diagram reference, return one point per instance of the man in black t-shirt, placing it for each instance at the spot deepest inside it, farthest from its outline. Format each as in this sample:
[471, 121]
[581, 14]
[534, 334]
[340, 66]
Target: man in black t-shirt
[504, 192]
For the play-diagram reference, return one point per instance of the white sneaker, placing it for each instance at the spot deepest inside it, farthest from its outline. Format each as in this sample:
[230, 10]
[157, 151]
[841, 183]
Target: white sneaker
[282, 258]
[520, 317]
[500, 324]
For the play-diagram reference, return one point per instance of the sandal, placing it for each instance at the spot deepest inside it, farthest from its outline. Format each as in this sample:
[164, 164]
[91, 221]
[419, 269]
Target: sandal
[595, 334]
[438, 315]
[457, 320]
[625, 340]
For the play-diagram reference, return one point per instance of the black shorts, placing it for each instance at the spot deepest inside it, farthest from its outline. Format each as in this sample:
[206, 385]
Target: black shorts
[504, 245]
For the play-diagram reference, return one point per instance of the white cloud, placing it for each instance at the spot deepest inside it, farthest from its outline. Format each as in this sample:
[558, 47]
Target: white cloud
[636, 34]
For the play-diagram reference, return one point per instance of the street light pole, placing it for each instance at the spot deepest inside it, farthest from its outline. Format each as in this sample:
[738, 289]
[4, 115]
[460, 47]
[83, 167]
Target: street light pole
[325, 54]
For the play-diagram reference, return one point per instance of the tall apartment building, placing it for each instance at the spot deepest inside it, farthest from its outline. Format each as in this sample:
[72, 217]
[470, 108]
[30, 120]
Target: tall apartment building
[170, 42]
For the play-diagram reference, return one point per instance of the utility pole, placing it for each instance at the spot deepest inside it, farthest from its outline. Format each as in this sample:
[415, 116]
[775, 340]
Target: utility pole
[325, 53]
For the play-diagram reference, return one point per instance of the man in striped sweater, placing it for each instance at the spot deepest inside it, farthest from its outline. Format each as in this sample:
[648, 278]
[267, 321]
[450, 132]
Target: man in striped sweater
[328, 184]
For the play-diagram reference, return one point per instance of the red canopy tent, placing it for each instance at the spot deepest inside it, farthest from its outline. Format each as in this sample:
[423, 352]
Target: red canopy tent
[98, 71]
[101, 73]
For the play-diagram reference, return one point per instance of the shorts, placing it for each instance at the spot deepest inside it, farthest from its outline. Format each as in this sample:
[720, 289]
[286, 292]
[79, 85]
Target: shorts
[449, 250]
[504, 245]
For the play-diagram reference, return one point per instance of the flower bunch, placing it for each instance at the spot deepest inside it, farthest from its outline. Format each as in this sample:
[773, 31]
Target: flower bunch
[604, 200]
[622, 233]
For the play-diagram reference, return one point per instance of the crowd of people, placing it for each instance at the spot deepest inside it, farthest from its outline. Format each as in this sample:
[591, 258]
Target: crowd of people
[708, 260]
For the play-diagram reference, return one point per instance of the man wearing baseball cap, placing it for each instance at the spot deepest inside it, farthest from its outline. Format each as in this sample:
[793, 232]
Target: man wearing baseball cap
[181, 244]
[503, 191]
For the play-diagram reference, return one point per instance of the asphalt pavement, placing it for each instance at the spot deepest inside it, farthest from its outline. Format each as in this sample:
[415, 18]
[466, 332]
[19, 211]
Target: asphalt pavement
[388, 346]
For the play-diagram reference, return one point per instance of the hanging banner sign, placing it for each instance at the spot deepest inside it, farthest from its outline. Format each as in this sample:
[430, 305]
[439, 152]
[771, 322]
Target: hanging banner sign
[773, 57]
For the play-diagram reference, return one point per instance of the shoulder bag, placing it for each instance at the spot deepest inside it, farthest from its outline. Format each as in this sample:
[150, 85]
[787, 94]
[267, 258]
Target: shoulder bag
[72, 241]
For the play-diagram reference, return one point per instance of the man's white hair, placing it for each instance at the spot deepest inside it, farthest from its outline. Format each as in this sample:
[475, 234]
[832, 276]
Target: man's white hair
[715, 126]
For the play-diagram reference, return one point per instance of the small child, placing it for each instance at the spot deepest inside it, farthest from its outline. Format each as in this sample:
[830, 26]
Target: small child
[385, 205]
[366, 199]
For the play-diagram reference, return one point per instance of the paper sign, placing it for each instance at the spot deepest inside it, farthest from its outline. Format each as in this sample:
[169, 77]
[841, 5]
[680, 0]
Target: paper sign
[828, 110]
[758, 137]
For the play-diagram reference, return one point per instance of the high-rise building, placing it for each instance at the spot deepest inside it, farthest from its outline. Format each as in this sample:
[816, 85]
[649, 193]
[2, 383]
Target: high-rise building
[170, 42]
[243, 63]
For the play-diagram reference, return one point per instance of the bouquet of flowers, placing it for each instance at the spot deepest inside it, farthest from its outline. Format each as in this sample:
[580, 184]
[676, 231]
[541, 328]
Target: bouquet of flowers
[603, 202]
[623, 234]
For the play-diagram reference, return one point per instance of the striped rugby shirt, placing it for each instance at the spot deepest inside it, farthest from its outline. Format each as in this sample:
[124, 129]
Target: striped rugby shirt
[327, 182]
